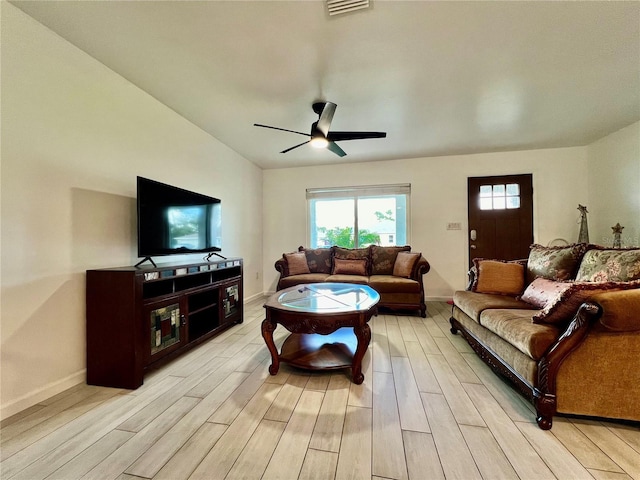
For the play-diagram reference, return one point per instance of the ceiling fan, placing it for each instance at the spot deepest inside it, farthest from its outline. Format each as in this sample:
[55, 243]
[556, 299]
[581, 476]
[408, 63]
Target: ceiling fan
[320, 136]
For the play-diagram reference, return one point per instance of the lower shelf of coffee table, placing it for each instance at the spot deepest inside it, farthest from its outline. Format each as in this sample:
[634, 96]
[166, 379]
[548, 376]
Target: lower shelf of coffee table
[320, 352]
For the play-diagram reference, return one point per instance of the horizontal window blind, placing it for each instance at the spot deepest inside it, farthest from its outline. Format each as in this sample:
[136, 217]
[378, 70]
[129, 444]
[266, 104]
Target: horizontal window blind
[359, 191]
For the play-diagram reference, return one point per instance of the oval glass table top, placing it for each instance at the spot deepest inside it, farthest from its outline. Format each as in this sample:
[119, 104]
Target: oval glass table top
[325, 297]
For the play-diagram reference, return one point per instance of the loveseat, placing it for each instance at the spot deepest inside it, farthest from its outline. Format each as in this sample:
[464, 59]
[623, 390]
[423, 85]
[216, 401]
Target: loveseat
[562, 325]
[394, 272]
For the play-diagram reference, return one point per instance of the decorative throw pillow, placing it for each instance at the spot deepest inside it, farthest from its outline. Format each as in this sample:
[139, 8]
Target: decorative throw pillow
[384, 258]
[296, 263]
[353, 254]
[405, 261]
[498, 276]
[554, 263]
[349, 267]
[565, 306]
[609, 265]
[542, 292]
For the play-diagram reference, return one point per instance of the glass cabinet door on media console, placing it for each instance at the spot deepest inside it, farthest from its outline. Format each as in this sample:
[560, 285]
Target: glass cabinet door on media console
[166, 326]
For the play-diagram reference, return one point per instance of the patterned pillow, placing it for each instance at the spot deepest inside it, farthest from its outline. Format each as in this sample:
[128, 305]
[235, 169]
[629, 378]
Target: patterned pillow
[318, 259]
[609, 265]
[564, 306]
[353, 254]
[349, 267]
[498, 276]
[403, 266]
[296, 263]
[384, 258]
[554, 263]
[542, 292]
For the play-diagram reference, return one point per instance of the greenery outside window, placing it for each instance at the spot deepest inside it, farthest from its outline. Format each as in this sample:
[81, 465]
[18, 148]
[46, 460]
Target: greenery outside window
[379, 213]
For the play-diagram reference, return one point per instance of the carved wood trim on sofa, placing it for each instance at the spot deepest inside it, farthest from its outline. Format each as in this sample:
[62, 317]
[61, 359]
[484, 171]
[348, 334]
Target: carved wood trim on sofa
[542, 395]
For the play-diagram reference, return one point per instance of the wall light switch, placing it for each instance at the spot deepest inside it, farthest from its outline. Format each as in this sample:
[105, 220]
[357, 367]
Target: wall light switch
[454, 226]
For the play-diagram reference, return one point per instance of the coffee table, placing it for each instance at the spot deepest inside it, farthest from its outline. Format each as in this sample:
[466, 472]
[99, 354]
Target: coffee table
[328, 325]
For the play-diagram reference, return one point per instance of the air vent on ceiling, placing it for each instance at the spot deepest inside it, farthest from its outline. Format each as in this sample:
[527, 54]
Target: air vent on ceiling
[337, 7]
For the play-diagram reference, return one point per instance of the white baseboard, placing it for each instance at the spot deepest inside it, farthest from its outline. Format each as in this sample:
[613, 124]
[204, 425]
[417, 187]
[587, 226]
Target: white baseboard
[437, 299]
[254, 297]
[41, 394]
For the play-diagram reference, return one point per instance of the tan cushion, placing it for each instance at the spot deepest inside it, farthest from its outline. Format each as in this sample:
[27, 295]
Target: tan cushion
[296, 263]
[565, 305]
[349, 267]
[391, 284]
[609, 265]
[339, 278]
[292, 280]
[473, 304]
[500, 277]
[404, 264]
[554, 263]
[516, 327]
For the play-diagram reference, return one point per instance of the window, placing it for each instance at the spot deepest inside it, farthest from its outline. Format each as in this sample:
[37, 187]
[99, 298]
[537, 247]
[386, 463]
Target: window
[379, 214]
[499, 197]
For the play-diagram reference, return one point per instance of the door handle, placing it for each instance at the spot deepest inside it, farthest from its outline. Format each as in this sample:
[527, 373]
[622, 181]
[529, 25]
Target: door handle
[473, 235]
[472, 247]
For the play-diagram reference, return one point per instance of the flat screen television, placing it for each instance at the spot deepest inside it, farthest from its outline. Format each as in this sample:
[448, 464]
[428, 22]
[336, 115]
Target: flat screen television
[174, 221]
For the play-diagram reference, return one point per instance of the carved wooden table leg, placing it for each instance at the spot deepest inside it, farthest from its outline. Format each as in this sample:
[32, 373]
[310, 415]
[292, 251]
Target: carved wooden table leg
[268, 328]
[363, 334]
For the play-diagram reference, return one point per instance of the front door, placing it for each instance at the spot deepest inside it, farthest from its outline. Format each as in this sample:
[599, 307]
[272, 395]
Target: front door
[500, 217]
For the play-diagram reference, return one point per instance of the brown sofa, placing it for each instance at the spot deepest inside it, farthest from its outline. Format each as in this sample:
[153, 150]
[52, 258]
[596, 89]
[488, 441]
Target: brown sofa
[563, 326]
[394, 272]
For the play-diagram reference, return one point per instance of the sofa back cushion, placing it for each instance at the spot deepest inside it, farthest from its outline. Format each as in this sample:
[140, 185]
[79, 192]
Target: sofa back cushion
[609, 265]
[498, 276]
[319, 260]
[554, 263]
[383, 259]
[354, 254]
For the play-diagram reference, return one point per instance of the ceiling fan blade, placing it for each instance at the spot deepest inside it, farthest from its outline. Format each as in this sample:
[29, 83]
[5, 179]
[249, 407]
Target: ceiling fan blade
[277, 128]
[324, 122]
[295, 146]
[339, 136]
[336, 149]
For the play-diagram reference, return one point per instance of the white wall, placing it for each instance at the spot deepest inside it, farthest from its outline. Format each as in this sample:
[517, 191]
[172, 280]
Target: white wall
[614, 186]
[74, 137]
[438, 196]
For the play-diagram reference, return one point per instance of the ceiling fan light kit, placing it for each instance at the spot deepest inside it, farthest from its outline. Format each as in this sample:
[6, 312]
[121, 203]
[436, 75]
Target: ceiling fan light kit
[320, 136]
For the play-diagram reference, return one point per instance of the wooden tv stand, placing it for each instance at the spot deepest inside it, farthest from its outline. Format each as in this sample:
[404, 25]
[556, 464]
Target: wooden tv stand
[139, 318]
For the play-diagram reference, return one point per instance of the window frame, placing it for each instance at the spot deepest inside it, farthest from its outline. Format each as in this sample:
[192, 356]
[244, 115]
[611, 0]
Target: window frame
[355, 193]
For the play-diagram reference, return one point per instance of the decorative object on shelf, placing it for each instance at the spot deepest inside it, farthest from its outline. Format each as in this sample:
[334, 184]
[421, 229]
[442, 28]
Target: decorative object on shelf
[557, 242]
[617, 235]
[583, 236]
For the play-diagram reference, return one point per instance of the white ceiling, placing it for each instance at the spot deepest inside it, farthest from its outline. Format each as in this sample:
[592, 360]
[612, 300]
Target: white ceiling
[439, 77]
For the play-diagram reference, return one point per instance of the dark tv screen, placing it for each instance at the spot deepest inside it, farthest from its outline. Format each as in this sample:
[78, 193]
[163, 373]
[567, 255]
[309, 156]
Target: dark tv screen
[172, 220]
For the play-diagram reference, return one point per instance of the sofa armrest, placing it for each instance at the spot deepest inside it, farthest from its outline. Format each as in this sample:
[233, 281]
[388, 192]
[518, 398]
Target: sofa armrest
[619, 310]
[421, 267]
[281, 267]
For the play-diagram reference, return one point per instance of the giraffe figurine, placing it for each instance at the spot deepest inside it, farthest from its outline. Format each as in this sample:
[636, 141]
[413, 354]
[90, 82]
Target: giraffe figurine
[617, 235]
[583, 236]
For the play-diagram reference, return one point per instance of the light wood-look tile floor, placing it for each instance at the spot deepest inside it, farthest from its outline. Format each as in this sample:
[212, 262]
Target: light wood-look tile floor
[428, 409]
